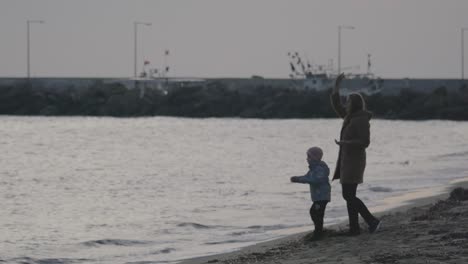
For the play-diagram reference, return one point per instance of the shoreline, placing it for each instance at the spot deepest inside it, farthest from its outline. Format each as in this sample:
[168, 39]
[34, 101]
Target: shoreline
[285, 247]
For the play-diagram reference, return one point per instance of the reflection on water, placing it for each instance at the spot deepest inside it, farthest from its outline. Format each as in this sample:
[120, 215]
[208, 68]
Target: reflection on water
[106, 190]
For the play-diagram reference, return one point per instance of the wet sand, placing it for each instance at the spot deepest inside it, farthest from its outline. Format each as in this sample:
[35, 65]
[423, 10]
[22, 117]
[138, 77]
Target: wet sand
[428, 230]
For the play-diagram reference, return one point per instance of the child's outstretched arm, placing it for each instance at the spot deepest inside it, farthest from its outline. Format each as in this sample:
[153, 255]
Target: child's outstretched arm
[315, 176]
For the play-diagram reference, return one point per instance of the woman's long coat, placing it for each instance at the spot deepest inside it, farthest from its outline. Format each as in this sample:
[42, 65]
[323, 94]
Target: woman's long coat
[352, 156]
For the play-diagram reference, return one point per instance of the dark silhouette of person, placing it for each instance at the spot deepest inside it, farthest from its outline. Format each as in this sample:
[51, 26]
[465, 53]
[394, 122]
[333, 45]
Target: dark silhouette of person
[354, 139]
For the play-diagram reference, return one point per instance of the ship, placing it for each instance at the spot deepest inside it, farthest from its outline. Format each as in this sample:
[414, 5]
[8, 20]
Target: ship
[319, 77]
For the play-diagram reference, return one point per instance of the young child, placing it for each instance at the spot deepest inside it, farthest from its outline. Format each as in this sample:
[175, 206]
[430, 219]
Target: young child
[317, 178]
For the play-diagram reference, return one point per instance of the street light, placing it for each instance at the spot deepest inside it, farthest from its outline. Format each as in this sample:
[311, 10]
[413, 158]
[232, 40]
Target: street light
[339, 45]
[135, 26]
[28, 46]
[463, 53]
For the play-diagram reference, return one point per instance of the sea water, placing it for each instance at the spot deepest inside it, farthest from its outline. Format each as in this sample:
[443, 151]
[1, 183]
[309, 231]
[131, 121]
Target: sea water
[158, 190]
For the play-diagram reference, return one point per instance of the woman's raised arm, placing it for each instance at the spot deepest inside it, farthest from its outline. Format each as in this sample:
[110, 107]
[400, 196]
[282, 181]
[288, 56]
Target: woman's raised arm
[335, 97]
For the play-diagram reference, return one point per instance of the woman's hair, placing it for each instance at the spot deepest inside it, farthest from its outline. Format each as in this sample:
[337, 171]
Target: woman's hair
[357, 102]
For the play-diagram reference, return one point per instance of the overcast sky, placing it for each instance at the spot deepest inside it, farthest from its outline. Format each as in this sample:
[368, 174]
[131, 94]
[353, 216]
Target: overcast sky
[232, 38]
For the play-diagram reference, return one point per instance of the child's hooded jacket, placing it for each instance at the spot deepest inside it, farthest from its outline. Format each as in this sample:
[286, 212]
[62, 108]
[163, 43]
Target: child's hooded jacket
[317, 178]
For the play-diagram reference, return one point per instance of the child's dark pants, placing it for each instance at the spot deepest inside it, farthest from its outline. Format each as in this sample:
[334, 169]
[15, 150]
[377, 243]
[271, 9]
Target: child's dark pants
[317, 211]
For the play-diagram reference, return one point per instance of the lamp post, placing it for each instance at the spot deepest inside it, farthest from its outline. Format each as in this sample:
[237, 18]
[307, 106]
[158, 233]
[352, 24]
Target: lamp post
[339, 45]
[135, 27]
[28, 45]
[463, 53]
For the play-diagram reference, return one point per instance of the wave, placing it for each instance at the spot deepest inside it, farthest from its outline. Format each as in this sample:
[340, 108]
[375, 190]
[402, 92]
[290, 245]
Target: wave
[403, 163]
[292, 193]
[241, 233]
[115, 242]
[27, 260]
[380, 189]
[225, 242]
[163, 251]
[454, 154]
[268, 228]
[195, 225]
[148, 262]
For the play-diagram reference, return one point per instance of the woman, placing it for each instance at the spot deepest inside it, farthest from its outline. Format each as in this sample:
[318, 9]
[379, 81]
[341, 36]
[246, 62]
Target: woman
[354, 139]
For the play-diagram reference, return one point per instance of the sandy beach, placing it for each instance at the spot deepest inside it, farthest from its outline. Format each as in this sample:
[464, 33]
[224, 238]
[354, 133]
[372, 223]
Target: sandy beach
[428, 230]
